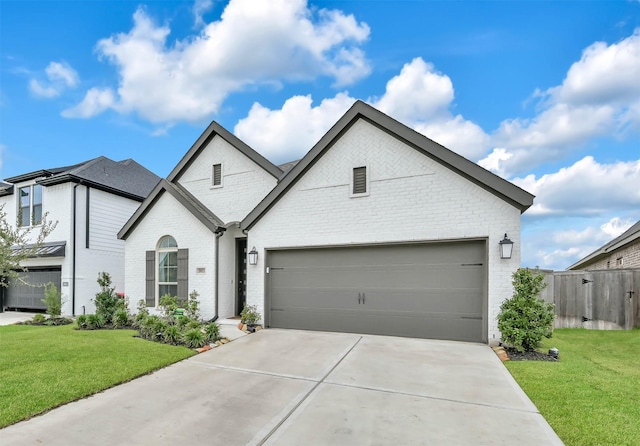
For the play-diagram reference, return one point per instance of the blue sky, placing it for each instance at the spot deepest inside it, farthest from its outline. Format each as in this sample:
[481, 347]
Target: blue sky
[545, 94]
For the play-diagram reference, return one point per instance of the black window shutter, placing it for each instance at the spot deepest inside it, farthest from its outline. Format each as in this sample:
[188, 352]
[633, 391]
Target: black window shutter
[217, 174]
[150, 278]
[183, 274]
[359, 180]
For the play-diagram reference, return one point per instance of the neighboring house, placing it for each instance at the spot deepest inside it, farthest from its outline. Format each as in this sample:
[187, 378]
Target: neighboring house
[90, 202]
[621, 252]
[377, 230]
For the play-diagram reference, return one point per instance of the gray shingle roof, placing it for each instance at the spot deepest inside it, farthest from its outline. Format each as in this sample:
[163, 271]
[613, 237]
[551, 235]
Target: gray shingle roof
[126, 178]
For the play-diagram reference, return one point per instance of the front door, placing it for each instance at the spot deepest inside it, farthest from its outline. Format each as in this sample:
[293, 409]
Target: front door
[241, 274]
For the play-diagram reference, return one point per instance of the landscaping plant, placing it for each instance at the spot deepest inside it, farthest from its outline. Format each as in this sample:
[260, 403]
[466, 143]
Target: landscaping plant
[525, 318]
[249, 315]
[107, 301]
[53, 300]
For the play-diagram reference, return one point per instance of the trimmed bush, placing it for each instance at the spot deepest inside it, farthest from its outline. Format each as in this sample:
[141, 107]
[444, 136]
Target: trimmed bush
[525, 318]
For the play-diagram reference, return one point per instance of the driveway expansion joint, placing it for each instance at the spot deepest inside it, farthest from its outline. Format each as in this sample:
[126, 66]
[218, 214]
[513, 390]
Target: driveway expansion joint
[427, 397]
[303, 399]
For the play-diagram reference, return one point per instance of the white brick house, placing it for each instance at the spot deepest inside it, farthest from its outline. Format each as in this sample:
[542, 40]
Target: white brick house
[376, 230]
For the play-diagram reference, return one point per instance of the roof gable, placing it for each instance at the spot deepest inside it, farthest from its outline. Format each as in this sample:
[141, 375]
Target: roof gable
[204, 139]
[503, 189]
[188, 201]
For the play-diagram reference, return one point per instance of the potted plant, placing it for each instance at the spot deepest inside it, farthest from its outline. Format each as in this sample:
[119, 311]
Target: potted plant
[250, 317]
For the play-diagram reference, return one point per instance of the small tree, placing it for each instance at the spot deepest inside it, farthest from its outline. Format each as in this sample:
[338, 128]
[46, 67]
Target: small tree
[525, 318]
[18, 244]
[53, 300]
[107, 301]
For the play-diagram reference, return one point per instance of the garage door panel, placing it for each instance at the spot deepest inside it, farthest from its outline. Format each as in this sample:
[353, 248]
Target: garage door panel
[416, 290]
[29, 292]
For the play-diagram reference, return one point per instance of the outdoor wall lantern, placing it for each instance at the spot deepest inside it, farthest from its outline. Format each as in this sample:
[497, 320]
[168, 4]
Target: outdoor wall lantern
[506, 248]
[253, 256]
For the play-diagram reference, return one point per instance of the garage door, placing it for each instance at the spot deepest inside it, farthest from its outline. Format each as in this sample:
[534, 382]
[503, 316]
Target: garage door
[419, 290]
[21, 295]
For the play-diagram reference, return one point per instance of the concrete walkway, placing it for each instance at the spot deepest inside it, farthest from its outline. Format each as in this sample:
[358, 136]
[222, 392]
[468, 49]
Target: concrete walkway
[11, 317]
[287, 387]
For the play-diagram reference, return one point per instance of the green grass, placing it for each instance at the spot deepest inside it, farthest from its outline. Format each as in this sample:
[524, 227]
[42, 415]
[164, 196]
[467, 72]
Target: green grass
[592, 395]
[45, 367]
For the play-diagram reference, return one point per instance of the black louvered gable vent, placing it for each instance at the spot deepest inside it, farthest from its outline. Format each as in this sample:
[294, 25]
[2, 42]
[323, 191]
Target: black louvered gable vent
[217, 174]
[360, 180]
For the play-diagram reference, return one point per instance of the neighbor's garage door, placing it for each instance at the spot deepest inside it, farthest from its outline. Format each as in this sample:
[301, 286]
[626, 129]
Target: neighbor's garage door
[419, 290]
[30, 295]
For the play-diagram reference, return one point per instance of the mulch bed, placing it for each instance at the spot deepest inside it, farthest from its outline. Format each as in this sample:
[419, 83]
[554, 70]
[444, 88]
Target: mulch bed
[515, 355]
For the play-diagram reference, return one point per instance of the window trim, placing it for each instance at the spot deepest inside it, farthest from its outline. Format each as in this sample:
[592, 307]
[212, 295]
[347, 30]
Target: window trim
[31, 206]
[159, 251]
[213, 170]
[367, 171]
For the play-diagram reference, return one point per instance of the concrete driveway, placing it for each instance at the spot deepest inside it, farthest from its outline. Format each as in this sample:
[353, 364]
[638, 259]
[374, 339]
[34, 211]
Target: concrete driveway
[287, 387]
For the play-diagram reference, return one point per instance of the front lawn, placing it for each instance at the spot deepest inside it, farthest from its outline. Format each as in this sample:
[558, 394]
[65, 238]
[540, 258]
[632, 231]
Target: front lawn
[45, 367]
[592, 395]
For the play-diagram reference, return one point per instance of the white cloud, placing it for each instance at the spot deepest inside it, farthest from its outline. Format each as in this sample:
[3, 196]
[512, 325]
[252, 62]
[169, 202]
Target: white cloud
[418, 93]
[600, 96]
[584, 188]
[201, 7]
[561, 248]
[287, 134]
[96, 101]
[418, 96]
[60, 75]
[253, 43]
[421, 98]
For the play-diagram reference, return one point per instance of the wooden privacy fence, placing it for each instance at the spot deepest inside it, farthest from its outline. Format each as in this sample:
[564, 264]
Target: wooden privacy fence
[597, 300]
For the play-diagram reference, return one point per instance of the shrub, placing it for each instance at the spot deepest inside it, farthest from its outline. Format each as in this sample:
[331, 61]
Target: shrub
[525, 318]
[121, 319]
[81, 321]
[192, 306]
[171, 334]
[107, 301]
[95, 321]
[152, 328]
[142, 314]
[52, 299]
[38, 318]
[211, 332]
[193, 338]
[169, 305]
[249, 315]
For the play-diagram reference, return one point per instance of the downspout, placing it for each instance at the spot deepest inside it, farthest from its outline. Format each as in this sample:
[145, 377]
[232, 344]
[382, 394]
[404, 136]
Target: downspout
[73, 259]
[73, 248]
[219, 233]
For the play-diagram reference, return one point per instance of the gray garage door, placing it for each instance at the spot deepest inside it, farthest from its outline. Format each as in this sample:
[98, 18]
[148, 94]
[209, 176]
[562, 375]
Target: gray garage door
[20, 295]
[420, 290]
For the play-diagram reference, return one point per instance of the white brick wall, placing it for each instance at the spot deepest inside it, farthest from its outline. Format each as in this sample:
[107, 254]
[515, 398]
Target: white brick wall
[168, 217]
[412, 198]
[244, 183]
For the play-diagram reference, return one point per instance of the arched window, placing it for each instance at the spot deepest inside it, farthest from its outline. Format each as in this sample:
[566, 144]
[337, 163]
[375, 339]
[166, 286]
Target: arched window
[167, 266]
